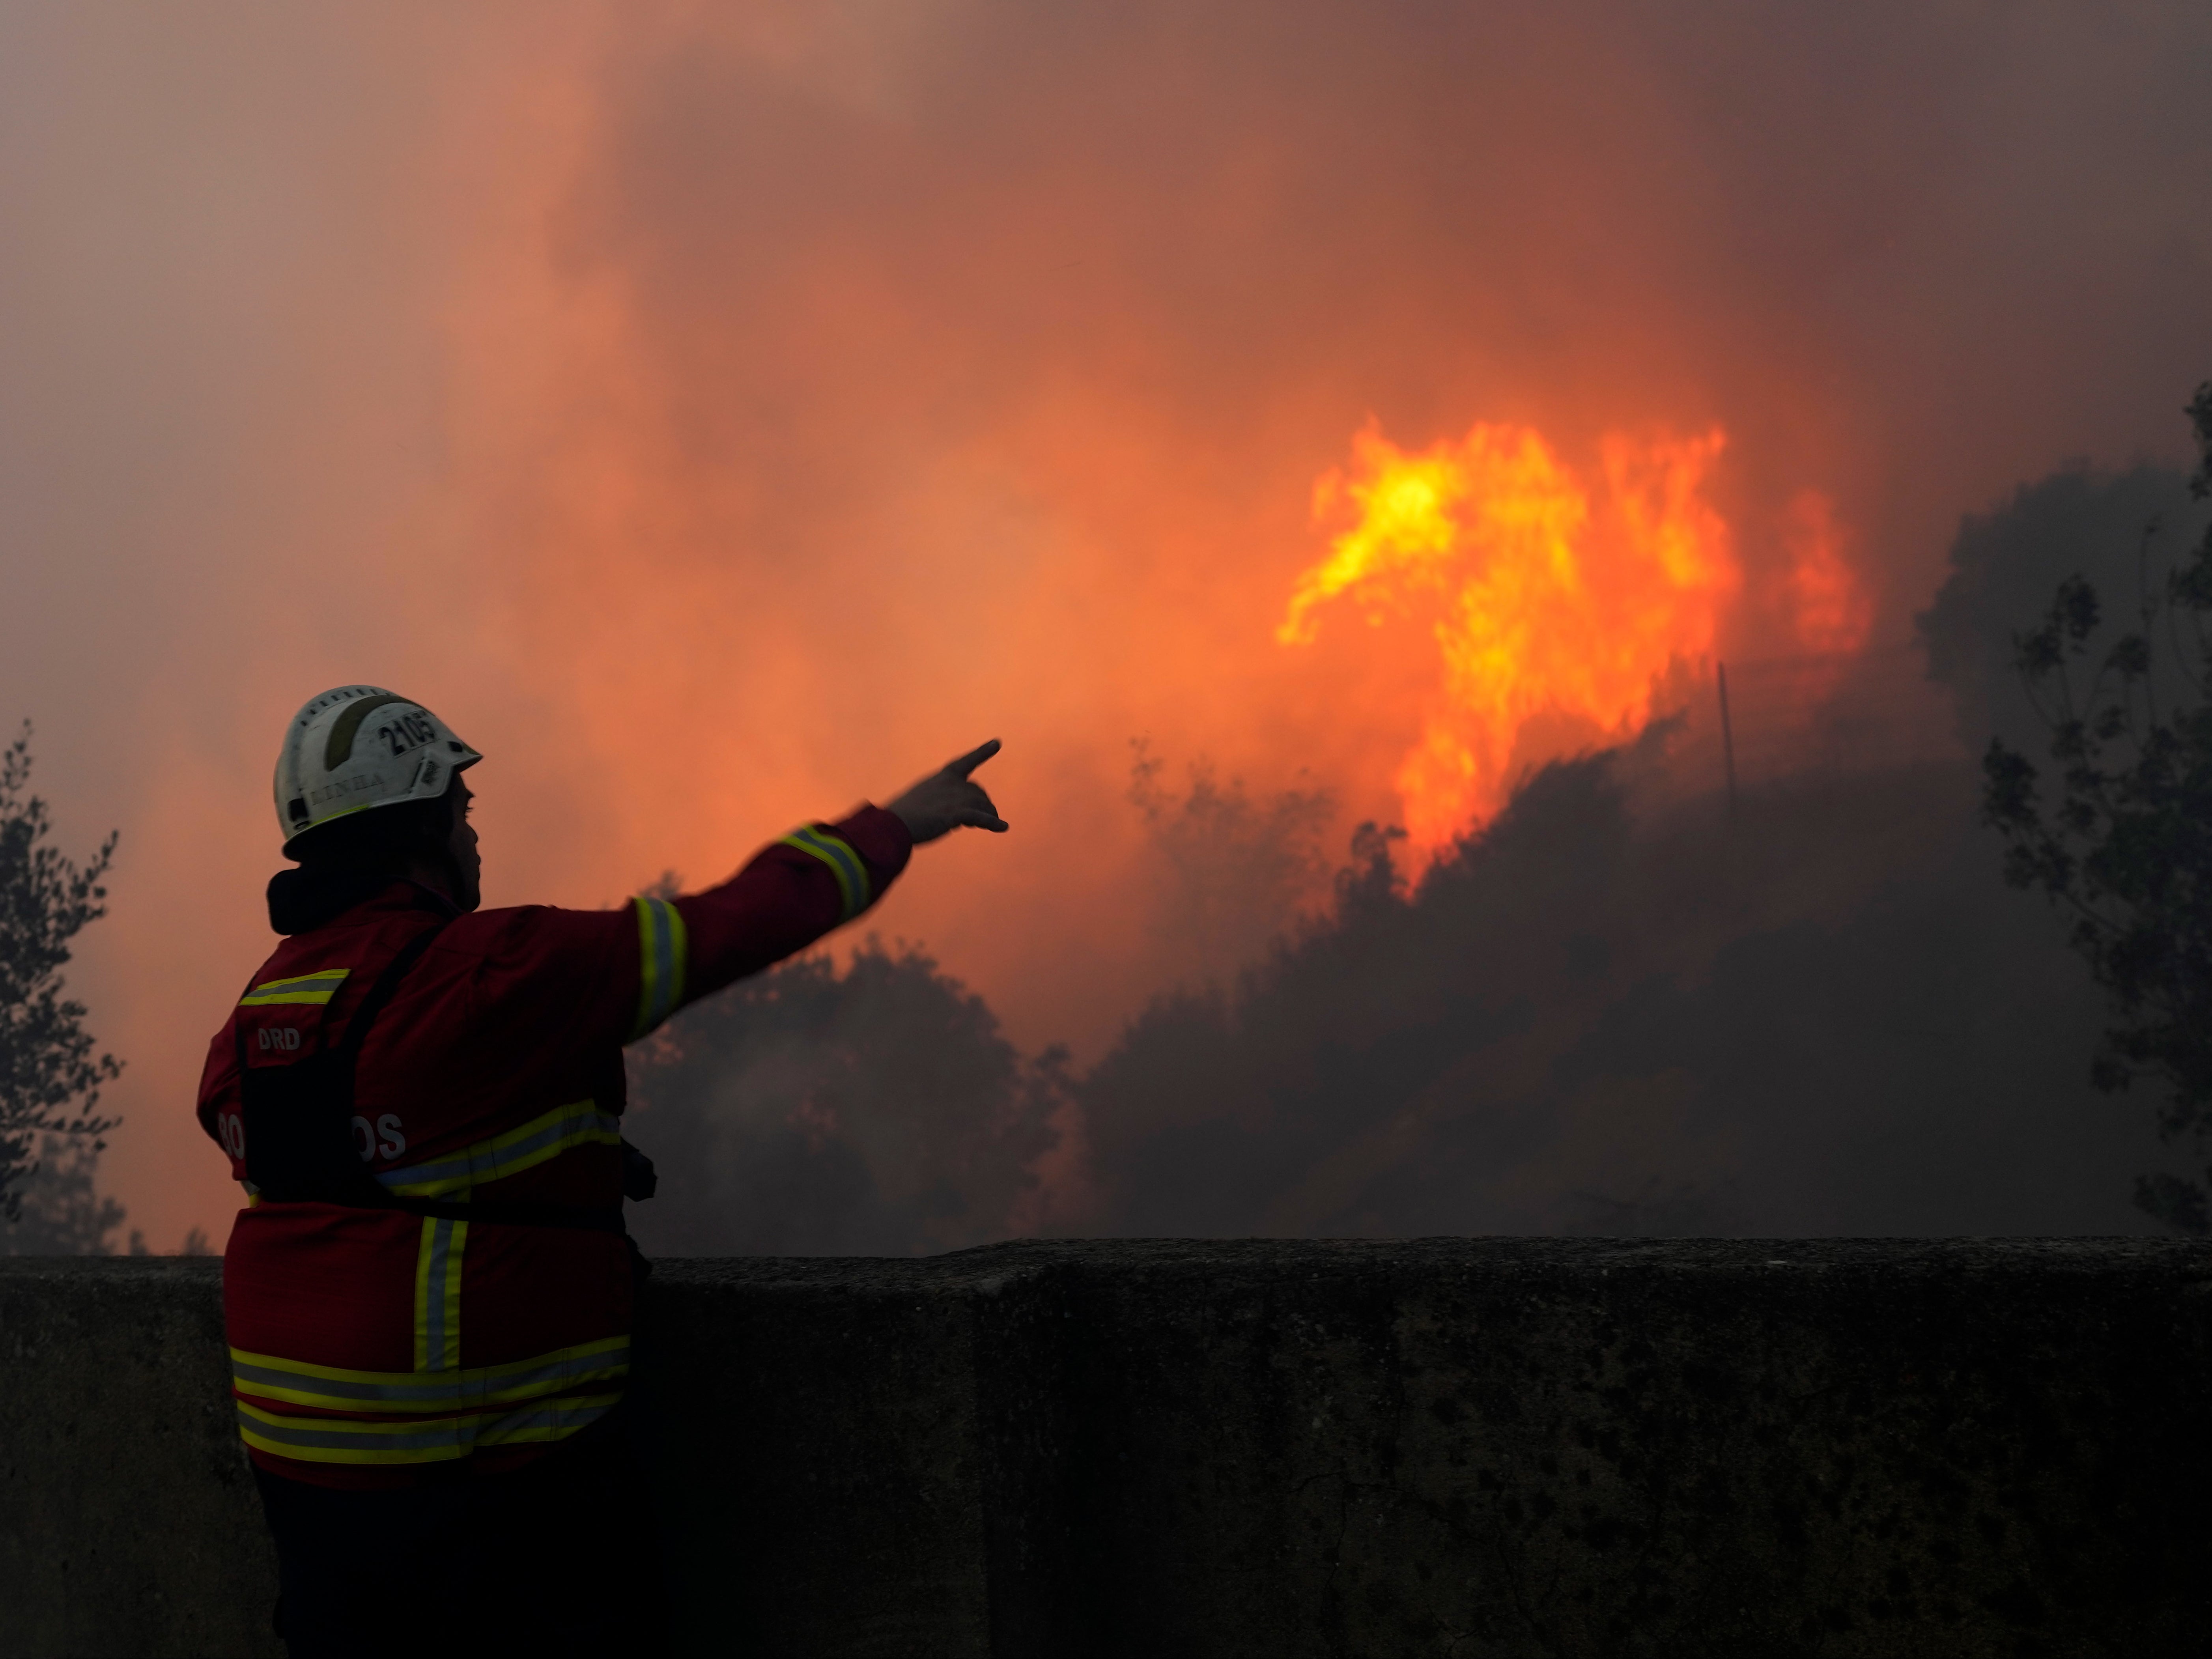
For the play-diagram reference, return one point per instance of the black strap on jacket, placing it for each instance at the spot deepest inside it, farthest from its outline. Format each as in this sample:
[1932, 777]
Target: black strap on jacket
[299, 1117]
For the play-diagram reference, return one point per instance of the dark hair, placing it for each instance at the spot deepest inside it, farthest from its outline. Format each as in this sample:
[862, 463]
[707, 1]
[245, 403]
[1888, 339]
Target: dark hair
[352, 858]
[380, 838]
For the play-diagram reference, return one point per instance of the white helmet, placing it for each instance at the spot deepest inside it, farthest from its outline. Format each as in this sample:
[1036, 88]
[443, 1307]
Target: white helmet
[359, 746]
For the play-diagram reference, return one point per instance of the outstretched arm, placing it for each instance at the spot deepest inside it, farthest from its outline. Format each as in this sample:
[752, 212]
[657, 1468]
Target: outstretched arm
[797, 889]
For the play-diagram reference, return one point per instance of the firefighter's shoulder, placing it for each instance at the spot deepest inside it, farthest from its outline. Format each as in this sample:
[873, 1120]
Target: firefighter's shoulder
[530, 938]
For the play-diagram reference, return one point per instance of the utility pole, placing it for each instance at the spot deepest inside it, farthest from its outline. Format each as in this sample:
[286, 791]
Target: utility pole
[1727, 738]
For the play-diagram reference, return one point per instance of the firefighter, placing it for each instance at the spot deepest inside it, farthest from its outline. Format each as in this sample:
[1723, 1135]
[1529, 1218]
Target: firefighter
[429, 1297]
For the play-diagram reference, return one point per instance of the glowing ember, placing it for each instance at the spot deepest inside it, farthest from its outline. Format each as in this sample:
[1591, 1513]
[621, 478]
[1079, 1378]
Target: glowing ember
[1562, 616]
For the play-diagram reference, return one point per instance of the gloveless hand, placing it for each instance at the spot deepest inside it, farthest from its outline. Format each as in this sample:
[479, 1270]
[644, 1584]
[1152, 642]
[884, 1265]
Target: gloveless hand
[947, 799]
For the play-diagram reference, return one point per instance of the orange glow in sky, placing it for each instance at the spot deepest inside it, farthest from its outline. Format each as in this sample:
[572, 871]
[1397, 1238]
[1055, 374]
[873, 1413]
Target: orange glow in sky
[721, 413]
[1834, 611]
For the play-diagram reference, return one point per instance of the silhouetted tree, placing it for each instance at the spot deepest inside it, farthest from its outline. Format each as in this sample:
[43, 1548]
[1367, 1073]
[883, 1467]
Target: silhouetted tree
[59, 1211]
[2127, 848]
[50, 1079]
[877, 1111]
[1231, 870]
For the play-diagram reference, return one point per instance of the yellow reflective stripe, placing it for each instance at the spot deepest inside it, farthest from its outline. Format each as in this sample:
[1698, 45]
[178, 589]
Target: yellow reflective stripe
[333, 1387]
[343, 1440]
[438, 1293]
[545, 1136]
[317, 988]
[349, 1440]
[844, 864]
[660, 954]
[555, 1420]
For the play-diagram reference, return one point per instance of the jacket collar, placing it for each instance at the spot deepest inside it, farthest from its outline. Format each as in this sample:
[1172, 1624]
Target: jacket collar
[313, 897]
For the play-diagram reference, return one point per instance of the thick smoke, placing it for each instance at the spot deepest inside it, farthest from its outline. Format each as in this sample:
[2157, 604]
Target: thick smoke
[874, 1112]
[1623, 1007]
[722, 410]
[2123, 532]
[1225, 870]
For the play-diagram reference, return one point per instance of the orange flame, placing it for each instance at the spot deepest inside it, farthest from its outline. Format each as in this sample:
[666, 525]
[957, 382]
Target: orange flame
[1563, 619]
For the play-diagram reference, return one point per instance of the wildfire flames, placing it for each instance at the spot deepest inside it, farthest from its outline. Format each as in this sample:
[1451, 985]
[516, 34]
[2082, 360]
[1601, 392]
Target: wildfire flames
[1568, 611]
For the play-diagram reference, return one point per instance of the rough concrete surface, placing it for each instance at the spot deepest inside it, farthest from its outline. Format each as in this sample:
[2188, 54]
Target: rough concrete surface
[1461, 1447]
[128, 1518]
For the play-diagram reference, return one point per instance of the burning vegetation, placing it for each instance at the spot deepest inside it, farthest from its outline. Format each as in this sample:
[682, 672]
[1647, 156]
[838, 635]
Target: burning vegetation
[1567, 612]
[1608, 1003]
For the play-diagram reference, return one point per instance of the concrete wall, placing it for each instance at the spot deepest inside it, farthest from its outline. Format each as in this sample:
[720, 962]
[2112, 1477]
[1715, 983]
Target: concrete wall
[1446, 1446]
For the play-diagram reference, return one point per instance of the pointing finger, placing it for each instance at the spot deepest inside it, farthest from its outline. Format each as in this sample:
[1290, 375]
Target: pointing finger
[973, 758]
[980, 814]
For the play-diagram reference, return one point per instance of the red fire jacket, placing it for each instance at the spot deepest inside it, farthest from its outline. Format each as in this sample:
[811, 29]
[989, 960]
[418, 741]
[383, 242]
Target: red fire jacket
[368, 1345]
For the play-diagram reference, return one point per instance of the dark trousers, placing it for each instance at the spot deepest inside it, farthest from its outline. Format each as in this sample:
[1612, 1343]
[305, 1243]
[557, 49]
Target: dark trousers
[555, 1558]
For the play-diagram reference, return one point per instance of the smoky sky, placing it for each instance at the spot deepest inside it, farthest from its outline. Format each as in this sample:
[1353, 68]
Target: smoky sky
[721, 413]
[1635, 1003]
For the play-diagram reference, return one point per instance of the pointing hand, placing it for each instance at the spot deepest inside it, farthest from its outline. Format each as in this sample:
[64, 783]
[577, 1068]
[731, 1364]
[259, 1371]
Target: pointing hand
[947, 799]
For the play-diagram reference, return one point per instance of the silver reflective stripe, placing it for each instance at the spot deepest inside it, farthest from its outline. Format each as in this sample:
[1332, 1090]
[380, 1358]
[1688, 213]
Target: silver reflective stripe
[443, 1391]
[488, 1161]
[436, 1334]
[568, 1368]
[344, 1440]
[308, 1432]
[664, 956]
[423, 1175]
[660, 952]
[312, 988]
[844, 864]
[565, 1416]
[304, 982]
[268, 1377]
